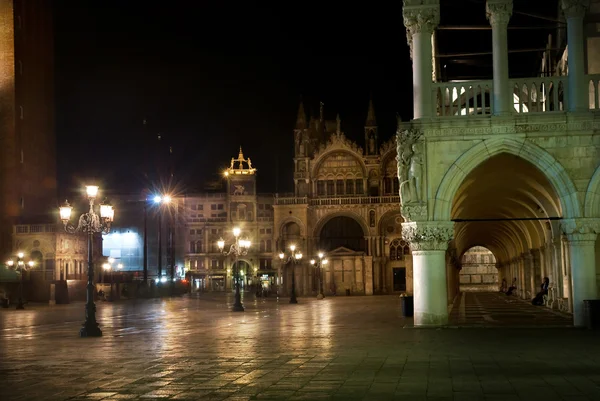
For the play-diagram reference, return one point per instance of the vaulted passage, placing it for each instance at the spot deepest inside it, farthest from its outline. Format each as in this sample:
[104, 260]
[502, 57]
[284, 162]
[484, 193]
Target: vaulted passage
[508, 206]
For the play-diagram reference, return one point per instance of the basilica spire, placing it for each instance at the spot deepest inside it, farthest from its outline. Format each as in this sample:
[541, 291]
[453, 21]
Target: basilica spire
[371, 137]
[371, 121]
[301, 119]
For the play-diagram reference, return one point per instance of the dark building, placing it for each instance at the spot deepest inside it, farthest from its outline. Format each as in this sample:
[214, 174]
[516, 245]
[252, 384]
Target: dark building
[28, 185]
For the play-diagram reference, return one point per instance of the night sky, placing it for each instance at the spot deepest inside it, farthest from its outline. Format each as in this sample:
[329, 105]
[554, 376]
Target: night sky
[210, 78]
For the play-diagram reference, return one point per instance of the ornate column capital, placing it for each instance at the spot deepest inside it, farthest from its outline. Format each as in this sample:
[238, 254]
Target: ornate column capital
[428, 235]
[498, 12]
[421, 18]
[582, 229]
[574, 8]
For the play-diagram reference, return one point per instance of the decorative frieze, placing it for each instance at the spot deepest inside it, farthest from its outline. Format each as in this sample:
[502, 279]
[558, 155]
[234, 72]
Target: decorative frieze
[414, 212]
[428, 235]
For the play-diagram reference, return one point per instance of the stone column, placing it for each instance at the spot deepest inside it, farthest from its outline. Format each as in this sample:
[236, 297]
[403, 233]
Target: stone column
[574, 11]
[428, 242]
[581, 234]
[420, 22]
[498, 12]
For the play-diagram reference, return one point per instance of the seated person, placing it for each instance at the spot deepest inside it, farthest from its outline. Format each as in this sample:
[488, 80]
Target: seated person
[512, 287]
[539, 298]
[503, 287]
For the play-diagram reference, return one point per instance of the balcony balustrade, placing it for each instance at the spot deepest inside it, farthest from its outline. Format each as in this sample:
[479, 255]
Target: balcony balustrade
[530, 95]
[349, 200]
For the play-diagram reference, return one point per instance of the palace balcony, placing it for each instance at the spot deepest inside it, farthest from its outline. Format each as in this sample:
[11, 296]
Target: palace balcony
[530, 95]
[334, 201]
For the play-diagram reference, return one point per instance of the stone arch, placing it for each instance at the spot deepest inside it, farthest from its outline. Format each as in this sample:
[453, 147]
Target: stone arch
[394, 213]
[359, 219]
[482, 151]
[329, 152]
[592, 196]
[292, 219]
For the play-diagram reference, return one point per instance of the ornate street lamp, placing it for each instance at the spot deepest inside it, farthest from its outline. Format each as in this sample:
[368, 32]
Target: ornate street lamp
[319, 270]
[89, 223]
[294, 257]
[258, 287]
[238, 248]
[19, 265]
[160, 200]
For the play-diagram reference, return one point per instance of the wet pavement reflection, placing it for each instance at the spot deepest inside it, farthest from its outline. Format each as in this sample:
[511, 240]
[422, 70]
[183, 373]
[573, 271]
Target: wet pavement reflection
[346, 348]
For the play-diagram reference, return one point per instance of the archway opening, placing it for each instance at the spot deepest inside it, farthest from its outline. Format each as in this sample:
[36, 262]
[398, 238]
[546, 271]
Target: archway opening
[342, 231]
[290, 235]
[509, 206]
[478, 270]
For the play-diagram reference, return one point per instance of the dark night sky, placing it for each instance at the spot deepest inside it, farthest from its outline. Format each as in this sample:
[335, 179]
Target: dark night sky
[213, 77]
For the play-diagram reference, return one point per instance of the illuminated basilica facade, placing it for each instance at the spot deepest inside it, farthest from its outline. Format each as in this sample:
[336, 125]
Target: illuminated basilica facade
[345, 204]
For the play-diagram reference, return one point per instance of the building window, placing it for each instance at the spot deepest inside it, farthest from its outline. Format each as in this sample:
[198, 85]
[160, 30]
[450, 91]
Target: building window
[359, 187]
[399, 248]
[261, 231]
[214, 263]
[330, 188]
[349, 187]
[192, 247]
[193, 207]
[321, 188]
[192, 232]
[220, 206]
[262, 246]
[213, 207]
[199, 247]
[269, 243]
[269, 231]
[200, 207]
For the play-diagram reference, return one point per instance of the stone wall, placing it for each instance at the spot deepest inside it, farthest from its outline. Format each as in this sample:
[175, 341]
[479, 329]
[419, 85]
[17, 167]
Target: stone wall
[478, 271]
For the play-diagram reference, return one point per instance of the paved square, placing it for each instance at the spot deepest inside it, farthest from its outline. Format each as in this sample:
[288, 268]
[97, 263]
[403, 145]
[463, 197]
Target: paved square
[344, 348]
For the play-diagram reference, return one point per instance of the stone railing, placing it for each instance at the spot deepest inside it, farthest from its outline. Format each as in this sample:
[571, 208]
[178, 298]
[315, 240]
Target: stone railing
[350, 200]
[34, 228]
[291, 200]
[263, 219]
[464, 98]
[594, 85]
[530, 95]
[354, 200]
[539, 95]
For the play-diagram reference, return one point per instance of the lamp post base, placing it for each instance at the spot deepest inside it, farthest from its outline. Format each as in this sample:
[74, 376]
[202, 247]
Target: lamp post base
[237, 305]
[90, 330]
[320, 296]
[237, 308]
[293, 299]
[20, 305]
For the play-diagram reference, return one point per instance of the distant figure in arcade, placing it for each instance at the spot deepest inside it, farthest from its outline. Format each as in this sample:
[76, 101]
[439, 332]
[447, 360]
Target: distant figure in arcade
[504, 286]
[512, 287]
[539, 298]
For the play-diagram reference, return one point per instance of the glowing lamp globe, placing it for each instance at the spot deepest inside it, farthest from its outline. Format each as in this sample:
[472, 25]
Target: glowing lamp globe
[312, 261]
[91, 191]
[31, 263]
[221, 244]
[106, 211]
[281, 256]
[236, 231]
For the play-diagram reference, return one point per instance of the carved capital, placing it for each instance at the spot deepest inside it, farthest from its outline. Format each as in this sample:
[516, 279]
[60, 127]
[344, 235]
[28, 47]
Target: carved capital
[414, 212]
[420, 18]
[428, 235]
[584, 229]
[574, 8]
[498, 12]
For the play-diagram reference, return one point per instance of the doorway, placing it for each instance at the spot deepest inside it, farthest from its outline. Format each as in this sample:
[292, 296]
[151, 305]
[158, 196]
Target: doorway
[399, 279]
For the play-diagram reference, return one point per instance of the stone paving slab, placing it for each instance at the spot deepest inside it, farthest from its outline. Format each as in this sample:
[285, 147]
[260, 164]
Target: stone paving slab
[340, 348]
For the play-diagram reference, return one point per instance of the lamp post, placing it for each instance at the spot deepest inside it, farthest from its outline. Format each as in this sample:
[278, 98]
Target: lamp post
[258, 287]
[160, 200]
[20, 266]
[318, 267]
[294, 257]
[89, 223]
[238, 248]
